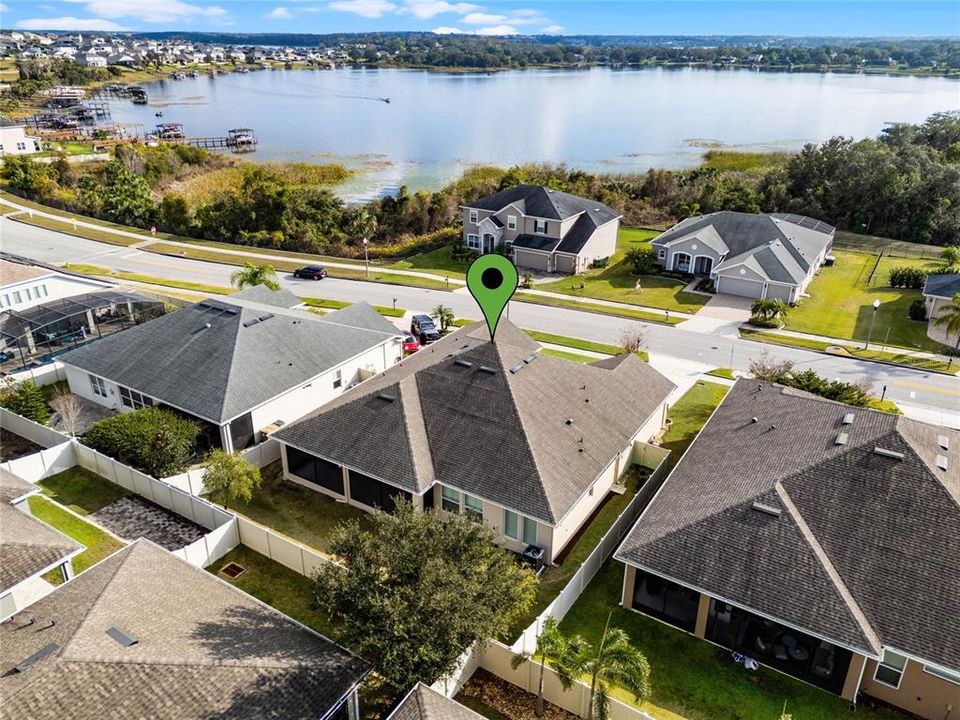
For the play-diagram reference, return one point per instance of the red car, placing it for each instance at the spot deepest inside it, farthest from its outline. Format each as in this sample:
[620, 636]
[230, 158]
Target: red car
[410, 343]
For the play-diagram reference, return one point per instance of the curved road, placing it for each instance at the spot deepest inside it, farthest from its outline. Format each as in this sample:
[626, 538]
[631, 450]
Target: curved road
[678, 352]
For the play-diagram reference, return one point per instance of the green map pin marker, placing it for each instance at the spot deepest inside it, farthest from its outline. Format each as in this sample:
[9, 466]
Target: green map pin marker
[492, 280]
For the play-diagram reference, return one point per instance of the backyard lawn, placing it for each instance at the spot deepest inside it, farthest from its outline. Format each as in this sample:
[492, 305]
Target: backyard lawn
[841, 303]
[298, 512]
[694, 679]
[98, 543]
[80, 490]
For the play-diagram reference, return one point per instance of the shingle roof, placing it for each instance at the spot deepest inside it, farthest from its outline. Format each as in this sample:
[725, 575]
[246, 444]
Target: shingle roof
[203, 649]
[27, 545]
[577, 236]
[281, 298]
[14, 272]
[536, 242]
[541, 202]
[436, 415]
[945, 285]
[859, 530]
[422, 703]
[219, 358]
[781, 247]
[13, 488]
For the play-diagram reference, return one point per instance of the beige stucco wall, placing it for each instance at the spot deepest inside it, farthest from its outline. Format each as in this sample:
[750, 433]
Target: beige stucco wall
[584, 507]
[852, 680]
[603, 242]
[920, 693]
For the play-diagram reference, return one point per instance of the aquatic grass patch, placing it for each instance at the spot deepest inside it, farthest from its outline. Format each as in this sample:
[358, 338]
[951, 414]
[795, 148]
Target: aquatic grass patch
[741, 161]
[205, 187]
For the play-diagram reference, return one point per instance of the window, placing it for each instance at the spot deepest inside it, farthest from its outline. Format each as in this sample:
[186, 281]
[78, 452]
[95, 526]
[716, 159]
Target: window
[132, 399]
[473, 242]
[511, 222]
[338, 378]
[511, 523]
[16, 296]
[529, 531]
[450, 499]
[890, 670]
[43, 290]
[661, 253]
[943, 674]
[21, 146]
[540, 226]
[473, 507]
[474, 216]
[98, 386]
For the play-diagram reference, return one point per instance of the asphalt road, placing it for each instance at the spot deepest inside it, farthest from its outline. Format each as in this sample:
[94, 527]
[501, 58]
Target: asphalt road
[929, 396]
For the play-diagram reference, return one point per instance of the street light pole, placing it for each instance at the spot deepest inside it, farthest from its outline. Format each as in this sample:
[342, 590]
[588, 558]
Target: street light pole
[366, 260]
[873, 319]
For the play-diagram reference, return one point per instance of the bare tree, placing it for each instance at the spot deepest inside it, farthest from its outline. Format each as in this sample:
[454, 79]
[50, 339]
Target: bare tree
[632, 338]
[770, 369]
[68, 409]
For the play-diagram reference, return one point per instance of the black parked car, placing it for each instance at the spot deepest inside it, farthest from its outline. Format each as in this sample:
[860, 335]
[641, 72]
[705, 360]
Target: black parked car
[310, 272]
[423, 329]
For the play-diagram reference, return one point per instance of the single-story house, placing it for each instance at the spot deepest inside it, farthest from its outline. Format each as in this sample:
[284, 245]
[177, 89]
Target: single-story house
[240, 364]
[15, 141]
[818, 539]
[939, 290]
[756, 256]
[29, 548]
[548, 230]
[528, 443]
[145, 634]
[423, 703]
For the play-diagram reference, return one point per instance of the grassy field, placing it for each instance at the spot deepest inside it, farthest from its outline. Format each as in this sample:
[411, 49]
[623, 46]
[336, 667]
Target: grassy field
[298, 512]
[437, 261]
[625, 312]
[204, 188]
[555, 577]
[67, 227]
[841, 298]
[80, 490]
[693, 679]
[98, 544]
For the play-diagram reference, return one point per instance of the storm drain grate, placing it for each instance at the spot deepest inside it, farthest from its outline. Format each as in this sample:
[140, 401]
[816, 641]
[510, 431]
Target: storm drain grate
[232, 570]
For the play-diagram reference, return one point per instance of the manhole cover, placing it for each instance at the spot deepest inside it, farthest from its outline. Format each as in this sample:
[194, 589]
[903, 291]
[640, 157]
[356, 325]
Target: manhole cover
[233, 570]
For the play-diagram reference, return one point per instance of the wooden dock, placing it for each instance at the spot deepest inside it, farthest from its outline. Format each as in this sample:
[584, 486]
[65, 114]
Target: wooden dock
[239, 140]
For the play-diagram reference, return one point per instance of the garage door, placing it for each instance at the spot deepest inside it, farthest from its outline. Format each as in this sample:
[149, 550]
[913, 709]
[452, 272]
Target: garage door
[535, 261]
[779, 292]
[740, 286]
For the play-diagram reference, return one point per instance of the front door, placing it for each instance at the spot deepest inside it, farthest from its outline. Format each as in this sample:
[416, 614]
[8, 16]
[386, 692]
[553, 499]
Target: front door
[488, 243]
[703, 265]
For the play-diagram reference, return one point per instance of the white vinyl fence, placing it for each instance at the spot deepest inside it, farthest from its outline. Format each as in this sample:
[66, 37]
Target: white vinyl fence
[39, 465]
[43, 375]
[296, 556]
[34, 432]
[263, 454]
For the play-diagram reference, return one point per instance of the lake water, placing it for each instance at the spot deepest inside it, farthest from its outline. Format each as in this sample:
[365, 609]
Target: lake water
[598, 119]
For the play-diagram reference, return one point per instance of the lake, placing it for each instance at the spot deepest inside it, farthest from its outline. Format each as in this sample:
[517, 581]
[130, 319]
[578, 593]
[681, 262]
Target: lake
[598, 119]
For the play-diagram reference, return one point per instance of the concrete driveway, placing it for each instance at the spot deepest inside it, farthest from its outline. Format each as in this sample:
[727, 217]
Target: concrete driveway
[722, 315]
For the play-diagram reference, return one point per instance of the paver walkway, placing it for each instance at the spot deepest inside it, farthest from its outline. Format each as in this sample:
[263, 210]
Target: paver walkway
[133, 517]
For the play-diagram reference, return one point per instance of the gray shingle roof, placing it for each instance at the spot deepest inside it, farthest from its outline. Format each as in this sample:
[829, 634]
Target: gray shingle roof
[13, 488]
[942, 286]
[536, 242]
[425, 704]
[541, 202]
[281, 298]
[578, 236]
[782, 247]
[219, 358]
[859, 530]
[28, 546]
[203, 650]
[435, 416]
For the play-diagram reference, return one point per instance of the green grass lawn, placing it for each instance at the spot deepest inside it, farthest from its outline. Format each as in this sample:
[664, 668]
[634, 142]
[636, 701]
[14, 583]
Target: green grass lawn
[841, 303]
[437, 261]
[148, 279]
[80, 490]
[570, 356]
[722, 373]
[555, 577]
[576, 343]
[98, 544]
[689, 414]
[297, 511]
[694, 679]
[624, 312]
[65, 226]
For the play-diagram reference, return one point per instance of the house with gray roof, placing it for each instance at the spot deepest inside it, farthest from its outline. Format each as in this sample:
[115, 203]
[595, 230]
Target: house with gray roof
[144, 634]
[939, 290]
[424, 703]
[545, 229]
[528, 443]
[238, 364]
[819, 539]
[756, 256]
[29, 548]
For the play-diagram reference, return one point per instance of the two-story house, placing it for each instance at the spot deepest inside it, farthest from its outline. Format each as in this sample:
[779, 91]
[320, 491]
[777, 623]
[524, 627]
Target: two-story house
[546, 230]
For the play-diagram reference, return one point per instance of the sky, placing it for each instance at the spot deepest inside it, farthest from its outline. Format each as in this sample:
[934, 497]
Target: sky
[498, 17]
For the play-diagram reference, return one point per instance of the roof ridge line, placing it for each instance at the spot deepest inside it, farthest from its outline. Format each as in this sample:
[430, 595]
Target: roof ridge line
[233, 360]
[93, 603]
[415, 418]
[852, 605]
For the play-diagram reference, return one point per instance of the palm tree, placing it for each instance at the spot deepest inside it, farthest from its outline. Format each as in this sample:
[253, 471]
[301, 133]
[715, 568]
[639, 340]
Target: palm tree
[552, 646]
[769, 309]
[443, 315]
[949, 318]
[615, 662]
[251, 275]
[950, 255]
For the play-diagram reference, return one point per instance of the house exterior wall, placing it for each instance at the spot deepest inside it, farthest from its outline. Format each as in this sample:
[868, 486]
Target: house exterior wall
[79, 382]
[694, 247]
[920, 693]
[934, 306]
[37, 291]
[15, 141]
[603, 242]
[580, 512]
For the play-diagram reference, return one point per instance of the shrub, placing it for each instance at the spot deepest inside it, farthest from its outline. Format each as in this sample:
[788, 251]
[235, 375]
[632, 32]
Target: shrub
[642, 260]
[154, 441]
[407, 244]
[526, 280]
[27, 400]
[907, 277]
[762, 322]
[229, 476]
[599, 263]
[918, 310]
